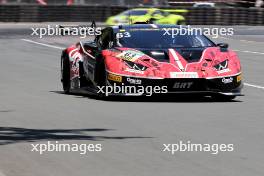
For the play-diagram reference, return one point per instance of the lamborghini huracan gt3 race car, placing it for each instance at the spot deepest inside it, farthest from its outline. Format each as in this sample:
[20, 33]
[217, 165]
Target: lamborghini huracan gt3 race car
[141, 55]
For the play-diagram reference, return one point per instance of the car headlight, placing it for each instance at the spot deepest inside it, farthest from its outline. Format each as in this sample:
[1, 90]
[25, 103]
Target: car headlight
[222, 65]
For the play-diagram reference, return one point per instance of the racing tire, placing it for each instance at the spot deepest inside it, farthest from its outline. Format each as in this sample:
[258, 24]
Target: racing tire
[101, 75]
[223, 98]
[84, 82]
[65, 73]
[151, 21]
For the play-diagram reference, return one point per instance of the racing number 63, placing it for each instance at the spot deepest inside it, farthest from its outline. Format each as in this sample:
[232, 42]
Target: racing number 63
[121, 35]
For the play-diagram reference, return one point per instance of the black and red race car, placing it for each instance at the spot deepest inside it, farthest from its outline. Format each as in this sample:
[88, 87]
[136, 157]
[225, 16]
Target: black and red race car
[142, 55]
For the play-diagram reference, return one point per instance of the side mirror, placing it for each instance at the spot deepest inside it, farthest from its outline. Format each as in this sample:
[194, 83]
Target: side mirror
[88, 48]
[223, 45]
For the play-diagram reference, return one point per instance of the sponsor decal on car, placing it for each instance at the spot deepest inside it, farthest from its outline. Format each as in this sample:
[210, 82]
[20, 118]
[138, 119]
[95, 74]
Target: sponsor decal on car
[130, 55]
[114, 77]
[182, 85]
[227, 80]
[239, 78]
[134, 71]
[134, 81]
[183, 74]
[223, 71]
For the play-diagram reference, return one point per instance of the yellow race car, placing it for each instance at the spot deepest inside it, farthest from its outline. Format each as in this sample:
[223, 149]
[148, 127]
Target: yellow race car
[151, 15]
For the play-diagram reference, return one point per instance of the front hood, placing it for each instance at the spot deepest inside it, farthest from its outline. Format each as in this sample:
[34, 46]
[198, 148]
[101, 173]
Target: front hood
[173, 63]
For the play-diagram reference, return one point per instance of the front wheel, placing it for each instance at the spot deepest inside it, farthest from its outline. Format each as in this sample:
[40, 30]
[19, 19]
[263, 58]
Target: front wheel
[100, 75]
[181, 22]
[151, 21]
[65, 73]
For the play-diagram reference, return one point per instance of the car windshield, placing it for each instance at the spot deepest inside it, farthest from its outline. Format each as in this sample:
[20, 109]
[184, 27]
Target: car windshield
[135, 12]
[150, 38]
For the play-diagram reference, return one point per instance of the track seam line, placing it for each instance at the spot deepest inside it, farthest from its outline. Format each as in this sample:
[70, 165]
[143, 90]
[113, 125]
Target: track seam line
[57, 47]
[247, 41]
[43, 44]
[252, 52]
[255, 86]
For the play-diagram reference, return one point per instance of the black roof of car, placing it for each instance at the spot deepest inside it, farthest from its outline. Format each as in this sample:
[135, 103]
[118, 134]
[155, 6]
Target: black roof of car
[145, 26]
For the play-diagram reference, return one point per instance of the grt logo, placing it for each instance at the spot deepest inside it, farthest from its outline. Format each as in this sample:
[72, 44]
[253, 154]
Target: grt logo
[185, 85]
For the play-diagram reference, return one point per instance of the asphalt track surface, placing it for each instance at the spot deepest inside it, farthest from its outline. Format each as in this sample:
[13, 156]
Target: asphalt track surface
[34, 110]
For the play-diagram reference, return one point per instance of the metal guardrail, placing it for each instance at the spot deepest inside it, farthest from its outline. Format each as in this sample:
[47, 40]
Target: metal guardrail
[63, 13]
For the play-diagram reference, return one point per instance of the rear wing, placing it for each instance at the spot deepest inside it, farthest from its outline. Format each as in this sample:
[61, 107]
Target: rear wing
[176, 11]
[68, 29]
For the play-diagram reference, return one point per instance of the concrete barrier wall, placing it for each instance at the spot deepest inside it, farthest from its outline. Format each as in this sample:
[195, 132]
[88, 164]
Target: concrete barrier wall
[63, 13]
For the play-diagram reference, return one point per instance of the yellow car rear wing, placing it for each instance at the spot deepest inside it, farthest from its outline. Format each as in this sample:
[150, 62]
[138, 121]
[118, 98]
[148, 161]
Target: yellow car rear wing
[175, 10]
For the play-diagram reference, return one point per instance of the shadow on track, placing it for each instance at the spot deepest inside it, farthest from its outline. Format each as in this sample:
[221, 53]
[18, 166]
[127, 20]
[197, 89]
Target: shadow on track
[186, 98]
[10, 135]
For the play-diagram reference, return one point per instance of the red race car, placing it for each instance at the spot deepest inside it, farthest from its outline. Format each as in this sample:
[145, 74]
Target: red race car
[141, 59]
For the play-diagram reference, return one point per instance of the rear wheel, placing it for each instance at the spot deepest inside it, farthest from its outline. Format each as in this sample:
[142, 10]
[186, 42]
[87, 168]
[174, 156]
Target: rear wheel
[65, 73]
